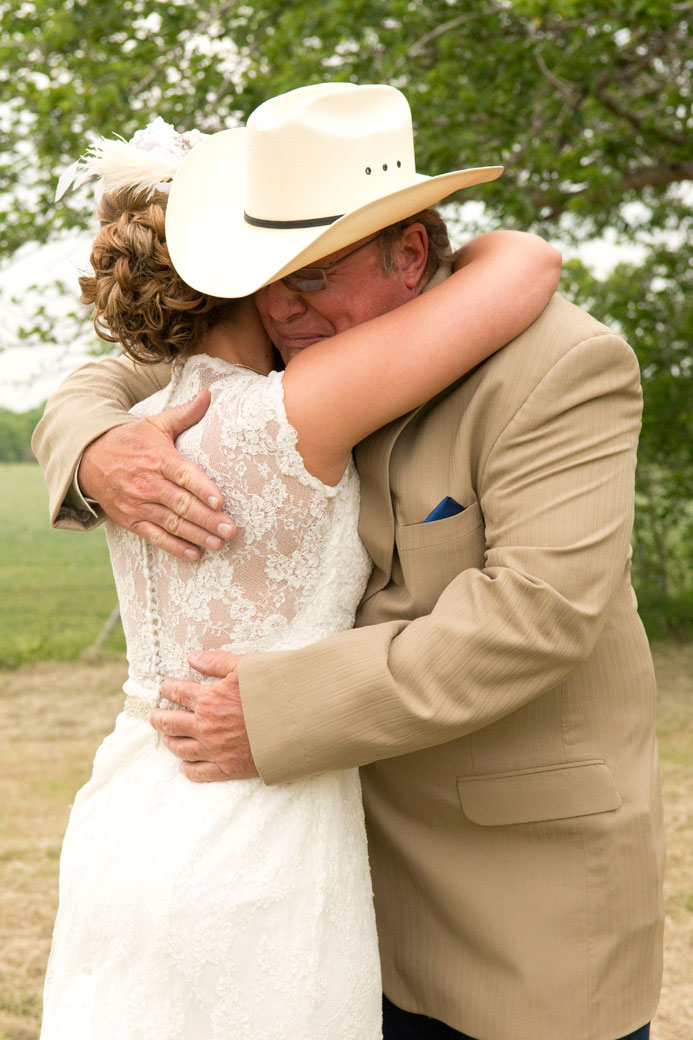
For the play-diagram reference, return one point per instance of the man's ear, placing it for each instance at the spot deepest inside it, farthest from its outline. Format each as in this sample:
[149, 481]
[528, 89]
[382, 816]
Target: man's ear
[413, 254]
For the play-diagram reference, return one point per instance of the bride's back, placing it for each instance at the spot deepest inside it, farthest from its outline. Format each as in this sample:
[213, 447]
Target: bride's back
[295, 570]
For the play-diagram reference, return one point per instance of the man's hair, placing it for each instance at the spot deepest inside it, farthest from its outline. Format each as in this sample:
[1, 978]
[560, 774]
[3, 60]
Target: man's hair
[439, 249]
[140, 301]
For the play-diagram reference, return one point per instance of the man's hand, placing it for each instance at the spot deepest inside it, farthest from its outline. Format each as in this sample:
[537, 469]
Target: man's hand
[139, 479]
[211, 737]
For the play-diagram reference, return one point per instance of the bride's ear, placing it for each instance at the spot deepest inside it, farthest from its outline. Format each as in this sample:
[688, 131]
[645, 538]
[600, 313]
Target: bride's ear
[413, 254]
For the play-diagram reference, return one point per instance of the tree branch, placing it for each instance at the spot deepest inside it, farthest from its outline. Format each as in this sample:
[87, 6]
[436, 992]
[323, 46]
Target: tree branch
[658, 176]
[563, 86]
[418, 48]
[614, 105]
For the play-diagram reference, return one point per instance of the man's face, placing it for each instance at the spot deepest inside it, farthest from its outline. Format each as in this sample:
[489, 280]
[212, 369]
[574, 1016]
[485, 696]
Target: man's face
[357, 290]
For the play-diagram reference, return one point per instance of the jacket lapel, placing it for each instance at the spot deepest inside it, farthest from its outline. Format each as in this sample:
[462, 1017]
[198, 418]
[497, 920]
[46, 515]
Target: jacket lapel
[377, 521]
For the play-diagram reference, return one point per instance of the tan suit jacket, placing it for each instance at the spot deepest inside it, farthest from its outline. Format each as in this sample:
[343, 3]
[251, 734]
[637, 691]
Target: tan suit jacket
[498, 692]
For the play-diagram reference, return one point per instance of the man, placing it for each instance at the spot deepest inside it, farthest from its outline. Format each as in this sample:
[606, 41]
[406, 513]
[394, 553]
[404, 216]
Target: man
[498, 691]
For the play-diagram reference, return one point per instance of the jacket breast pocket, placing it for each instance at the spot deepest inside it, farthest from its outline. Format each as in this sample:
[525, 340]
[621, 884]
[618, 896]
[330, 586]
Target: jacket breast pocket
[433, 554]
[554, 792]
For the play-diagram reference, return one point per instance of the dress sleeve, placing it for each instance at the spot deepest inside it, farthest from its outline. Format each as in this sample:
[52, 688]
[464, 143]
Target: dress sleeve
[250, 419]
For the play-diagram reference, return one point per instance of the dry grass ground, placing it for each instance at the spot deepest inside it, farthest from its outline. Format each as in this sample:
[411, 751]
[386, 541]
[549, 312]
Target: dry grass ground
[52, 717]
[675, 682]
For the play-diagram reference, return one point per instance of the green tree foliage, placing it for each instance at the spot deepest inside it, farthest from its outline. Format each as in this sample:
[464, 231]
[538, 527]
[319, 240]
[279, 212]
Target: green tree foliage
[587, 103]
[651, 304]
[15, 434]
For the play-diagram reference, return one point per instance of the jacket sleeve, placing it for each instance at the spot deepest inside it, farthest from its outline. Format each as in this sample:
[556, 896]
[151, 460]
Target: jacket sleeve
[93, 399]
[556, 493]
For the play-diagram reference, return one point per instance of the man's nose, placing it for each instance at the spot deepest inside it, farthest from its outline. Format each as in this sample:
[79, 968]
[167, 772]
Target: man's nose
[283, 303]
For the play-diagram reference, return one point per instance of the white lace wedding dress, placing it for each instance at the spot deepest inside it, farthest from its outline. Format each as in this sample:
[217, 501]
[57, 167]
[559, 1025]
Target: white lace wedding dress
[232, 910]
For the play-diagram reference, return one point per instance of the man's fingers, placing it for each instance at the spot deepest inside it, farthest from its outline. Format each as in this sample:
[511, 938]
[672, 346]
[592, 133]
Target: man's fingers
[179, 470]
[183, 504]
[167, 722]
[144, 484]
[203, 772]
[162, 540]
[182, 691]
[187, 748]
[184, 475]
[215, 725]
[217, 663]
[184, 530]
[174, 723]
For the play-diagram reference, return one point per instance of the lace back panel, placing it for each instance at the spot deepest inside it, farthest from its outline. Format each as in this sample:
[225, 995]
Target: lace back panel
[281, 582]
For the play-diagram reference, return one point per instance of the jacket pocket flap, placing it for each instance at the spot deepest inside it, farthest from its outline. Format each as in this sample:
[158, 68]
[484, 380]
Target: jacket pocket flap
[548, 793]
[412, 537]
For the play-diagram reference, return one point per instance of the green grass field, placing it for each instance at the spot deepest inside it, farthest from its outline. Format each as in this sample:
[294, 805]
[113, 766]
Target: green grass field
[56, 588]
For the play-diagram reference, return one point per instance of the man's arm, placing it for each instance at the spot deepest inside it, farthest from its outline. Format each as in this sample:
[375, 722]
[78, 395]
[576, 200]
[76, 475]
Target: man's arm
[128, 465]
[556, 494]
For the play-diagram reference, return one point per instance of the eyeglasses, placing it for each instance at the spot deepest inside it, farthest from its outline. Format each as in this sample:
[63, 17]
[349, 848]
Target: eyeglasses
[314, 279]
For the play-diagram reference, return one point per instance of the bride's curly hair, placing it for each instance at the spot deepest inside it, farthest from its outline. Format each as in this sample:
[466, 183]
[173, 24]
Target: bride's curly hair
[139, 299]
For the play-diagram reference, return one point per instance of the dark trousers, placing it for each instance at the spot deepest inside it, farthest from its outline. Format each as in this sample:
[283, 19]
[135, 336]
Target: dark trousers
[404, 1025]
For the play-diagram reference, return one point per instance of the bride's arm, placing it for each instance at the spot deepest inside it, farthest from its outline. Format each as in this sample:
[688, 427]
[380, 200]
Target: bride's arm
[340, 390]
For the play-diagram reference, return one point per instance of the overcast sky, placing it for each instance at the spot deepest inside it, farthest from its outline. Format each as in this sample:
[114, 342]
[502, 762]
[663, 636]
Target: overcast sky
[28, 373]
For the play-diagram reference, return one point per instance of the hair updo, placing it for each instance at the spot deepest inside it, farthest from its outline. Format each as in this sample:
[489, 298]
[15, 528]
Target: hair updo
[140, 301]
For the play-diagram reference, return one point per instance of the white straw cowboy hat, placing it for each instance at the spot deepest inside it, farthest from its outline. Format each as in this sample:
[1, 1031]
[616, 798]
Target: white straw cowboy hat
[313, 171]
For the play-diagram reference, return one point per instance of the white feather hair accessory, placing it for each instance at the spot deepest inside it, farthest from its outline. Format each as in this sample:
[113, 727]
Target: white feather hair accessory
[147, 162]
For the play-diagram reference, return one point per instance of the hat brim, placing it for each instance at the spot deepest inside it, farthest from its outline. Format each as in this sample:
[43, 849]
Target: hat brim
[217, 252]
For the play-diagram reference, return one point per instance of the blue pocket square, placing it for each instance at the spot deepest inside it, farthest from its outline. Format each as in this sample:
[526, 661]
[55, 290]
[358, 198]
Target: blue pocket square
[448, 507]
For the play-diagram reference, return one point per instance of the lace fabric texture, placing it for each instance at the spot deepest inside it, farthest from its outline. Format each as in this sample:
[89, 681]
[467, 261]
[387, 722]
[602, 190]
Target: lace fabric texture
[226, 910]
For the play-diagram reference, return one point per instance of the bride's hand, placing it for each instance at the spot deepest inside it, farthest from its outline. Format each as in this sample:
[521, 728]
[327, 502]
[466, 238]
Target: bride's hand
[210, 738]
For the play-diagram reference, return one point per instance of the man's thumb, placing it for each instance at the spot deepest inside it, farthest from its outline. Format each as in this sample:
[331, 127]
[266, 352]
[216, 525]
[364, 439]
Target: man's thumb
[180, 418]
[216, 663]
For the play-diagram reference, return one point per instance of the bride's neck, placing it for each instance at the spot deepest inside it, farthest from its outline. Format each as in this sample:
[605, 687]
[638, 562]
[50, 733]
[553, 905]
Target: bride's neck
[240, 339]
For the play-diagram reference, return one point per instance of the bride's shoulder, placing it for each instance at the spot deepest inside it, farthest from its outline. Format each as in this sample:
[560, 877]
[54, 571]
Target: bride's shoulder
[244, 397]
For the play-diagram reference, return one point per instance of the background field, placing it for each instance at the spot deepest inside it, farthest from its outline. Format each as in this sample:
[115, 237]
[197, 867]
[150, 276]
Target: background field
[57, 593]
[56, 588]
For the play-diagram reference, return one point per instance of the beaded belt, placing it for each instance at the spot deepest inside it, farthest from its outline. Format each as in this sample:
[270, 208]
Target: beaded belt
[141, 698]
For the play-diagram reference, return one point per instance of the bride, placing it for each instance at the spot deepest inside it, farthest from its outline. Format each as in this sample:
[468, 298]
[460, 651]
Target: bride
[235, 910]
